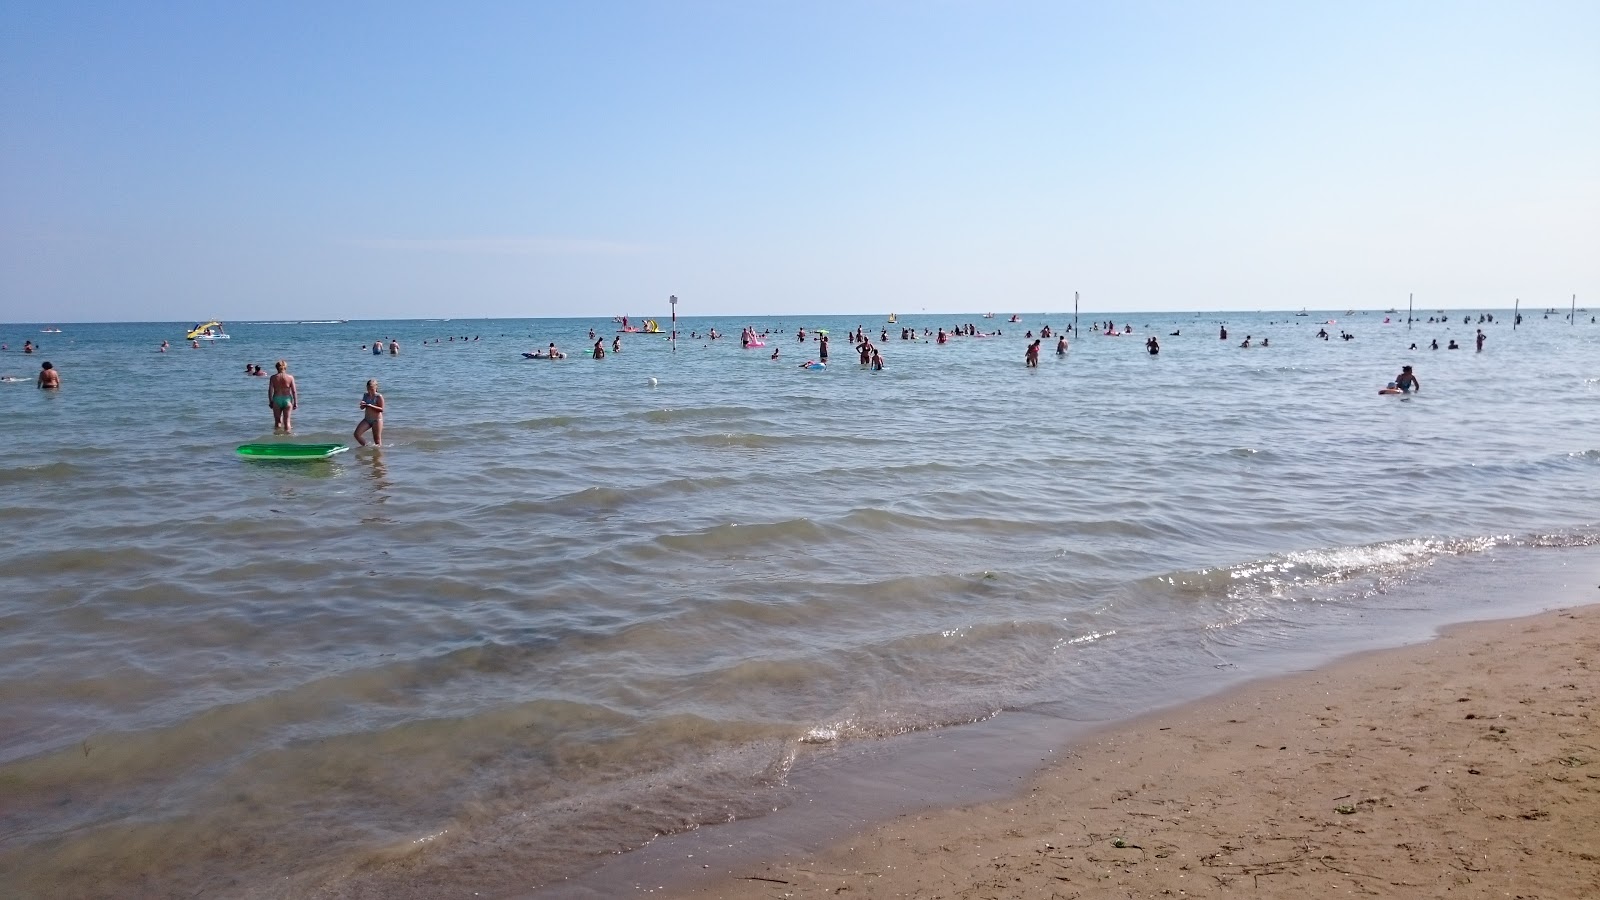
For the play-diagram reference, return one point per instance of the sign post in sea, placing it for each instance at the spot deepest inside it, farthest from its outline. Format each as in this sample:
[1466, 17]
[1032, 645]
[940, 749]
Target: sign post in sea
[674, 301]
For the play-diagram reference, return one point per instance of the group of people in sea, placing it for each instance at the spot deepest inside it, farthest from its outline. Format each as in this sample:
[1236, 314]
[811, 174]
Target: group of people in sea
[283, 398]
[1478, 340]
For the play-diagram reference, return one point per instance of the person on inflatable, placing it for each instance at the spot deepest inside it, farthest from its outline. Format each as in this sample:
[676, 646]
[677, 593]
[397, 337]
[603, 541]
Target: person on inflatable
[1407, 381]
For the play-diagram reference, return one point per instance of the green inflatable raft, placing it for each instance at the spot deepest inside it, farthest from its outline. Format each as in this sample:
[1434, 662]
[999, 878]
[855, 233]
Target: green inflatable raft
[290, 451]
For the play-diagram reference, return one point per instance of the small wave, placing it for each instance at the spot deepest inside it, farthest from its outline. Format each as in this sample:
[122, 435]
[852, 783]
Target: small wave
[690, 414]
[86, 560]
[1307, 575]
[542, 422]
[55, 471]
[1563, 539]
[735, 536]
[738, 441]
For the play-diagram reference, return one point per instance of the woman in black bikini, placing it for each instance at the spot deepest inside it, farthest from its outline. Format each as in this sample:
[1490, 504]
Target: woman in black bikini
[371, 415]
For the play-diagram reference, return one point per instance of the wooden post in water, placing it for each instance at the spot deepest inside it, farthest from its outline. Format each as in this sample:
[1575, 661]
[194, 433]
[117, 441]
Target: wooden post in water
[1516, 314]
[1411, 301]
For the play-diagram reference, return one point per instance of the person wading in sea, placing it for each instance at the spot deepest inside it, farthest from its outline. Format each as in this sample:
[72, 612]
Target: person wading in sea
[282, 396]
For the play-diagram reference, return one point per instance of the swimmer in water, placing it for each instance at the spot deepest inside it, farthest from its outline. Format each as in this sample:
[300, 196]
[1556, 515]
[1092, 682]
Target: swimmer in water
[599, 349]
[371, 415]
[1061, 346]
[1152, 345]
[1407, 381]
[282, 397]
[1031, 358]
[49, 378]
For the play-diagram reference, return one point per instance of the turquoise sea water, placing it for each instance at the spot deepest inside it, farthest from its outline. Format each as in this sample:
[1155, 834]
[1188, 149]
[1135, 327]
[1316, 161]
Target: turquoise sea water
[566, 609]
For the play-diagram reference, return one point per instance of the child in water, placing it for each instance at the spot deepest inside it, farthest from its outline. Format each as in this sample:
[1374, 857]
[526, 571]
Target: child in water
[371, 415]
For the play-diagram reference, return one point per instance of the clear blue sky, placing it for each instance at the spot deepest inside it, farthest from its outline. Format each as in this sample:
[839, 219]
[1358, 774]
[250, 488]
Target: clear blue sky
[179, 160]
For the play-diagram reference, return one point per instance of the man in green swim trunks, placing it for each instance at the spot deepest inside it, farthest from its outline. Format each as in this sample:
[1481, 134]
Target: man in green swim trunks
[282, 396]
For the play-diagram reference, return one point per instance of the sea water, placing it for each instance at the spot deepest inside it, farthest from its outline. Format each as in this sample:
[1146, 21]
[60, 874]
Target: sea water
[571, 605]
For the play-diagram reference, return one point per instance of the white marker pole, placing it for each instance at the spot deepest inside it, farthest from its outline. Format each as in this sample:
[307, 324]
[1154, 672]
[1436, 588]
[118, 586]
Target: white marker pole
[674, 301]
[1411, 302]
[1516, 314]
[1075, 333]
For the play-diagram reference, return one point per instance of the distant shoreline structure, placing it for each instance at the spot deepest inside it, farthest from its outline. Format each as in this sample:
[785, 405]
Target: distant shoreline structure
[1419, 314]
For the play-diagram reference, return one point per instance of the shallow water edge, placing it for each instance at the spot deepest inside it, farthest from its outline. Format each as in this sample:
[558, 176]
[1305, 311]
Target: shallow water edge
[836, 795]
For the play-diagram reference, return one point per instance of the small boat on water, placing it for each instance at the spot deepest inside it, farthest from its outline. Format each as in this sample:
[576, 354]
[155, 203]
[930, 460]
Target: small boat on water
[1302, 312]
[988, 315]
[210, 331]
[893, 318]
[49, 331]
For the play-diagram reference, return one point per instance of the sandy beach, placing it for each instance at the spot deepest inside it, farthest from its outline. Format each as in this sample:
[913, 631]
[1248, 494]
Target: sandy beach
[1468, 766]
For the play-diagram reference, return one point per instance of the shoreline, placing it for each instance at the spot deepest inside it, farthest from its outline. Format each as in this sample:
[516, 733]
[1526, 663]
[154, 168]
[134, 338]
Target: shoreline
[1459, 766]
[842, 794]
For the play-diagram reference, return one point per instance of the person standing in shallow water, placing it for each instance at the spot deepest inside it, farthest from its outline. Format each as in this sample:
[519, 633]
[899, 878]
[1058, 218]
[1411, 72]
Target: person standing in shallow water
[1031, 358]
[282, 396]
[371, 415]
[49, 378]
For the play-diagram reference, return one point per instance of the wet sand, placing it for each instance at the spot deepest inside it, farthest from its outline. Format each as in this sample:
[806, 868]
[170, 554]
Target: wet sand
[1468, 766]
